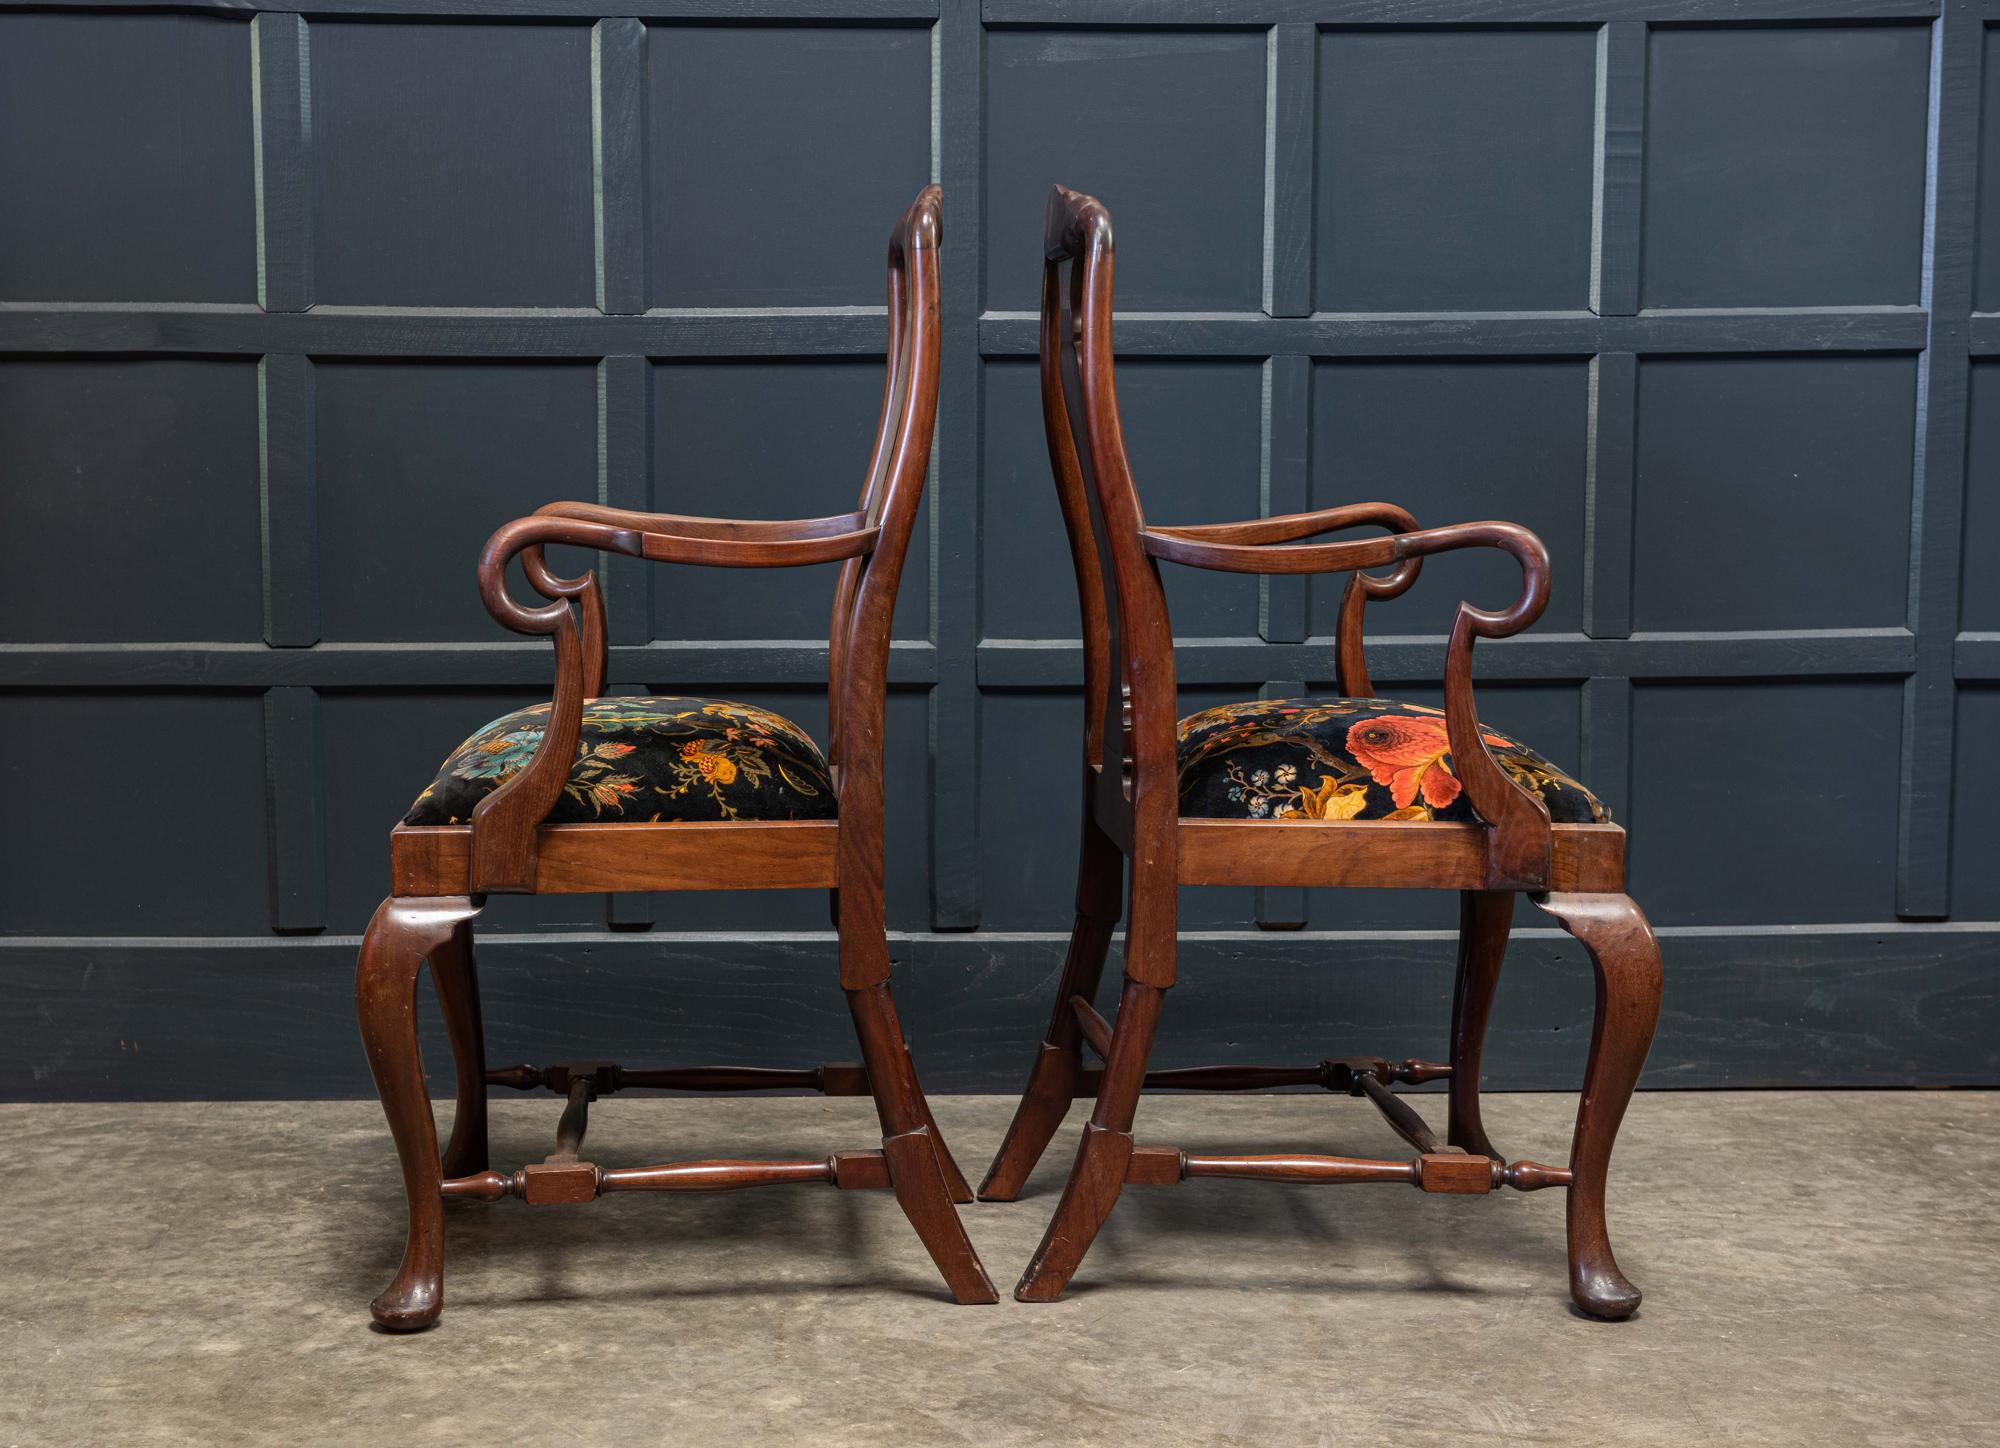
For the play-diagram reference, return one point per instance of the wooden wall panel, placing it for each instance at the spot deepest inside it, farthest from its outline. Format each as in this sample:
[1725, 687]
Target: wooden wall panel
[131, 500]
[786, 210]
[1785, 166]
[104, 121]
[1455, 169]
[451, 164]
[294, 309]
[1773, 492]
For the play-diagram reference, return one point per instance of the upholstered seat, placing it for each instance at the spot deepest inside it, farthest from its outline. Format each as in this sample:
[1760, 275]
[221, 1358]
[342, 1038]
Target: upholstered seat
[1347, 759]
[647, 758]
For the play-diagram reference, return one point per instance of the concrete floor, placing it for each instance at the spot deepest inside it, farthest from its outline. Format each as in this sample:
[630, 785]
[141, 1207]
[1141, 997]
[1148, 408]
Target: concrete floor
[1820, 1268]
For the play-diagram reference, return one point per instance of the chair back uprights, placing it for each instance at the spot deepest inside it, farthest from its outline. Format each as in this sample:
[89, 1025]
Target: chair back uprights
[865, 596]
[1129, 690]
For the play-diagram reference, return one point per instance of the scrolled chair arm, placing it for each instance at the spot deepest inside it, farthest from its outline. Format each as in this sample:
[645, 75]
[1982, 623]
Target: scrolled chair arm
[504, 822]
[1519, 843]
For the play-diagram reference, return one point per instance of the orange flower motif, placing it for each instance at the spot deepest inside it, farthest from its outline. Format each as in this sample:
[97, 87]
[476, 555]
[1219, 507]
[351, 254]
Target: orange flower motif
[1331, 800]
[1406, 752]
[712, 766]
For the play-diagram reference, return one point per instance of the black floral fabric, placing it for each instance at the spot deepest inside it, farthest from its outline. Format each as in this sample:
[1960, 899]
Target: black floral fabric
[1348, 759]
[645, 759]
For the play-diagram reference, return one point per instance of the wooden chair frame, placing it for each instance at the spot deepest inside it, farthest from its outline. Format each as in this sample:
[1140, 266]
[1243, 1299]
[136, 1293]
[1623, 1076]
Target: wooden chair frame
[1131, 810]
[441, 875]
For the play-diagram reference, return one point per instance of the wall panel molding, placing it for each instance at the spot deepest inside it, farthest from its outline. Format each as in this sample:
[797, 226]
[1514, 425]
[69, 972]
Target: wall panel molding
[1518, 181]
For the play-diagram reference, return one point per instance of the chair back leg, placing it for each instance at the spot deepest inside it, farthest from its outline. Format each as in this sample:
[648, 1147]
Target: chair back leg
[914, 1153]
[1484, 919]
[1104, 1159]
[1052, 1080]
[456, 979]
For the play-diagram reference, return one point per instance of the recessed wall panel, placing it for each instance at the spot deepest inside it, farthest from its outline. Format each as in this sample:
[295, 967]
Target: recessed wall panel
[1773, 492]
[1759, 803]
[1785, 165]
[1165, 127]
[1980, 602]
[1454, 169]
[134, 813]
[786, 438]
[128, 500]
[127, 166]
[795, 208]
[451, 164]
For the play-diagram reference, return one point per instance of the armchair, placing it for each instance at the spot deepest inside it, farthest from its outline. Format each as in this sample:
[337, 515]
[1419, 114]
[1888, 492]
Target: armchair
[589, 793]
[1351, 790]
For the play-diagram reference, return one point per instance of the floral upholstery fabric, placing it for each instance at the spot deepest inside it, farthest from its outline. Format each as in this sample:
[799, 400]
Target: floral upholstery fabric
[1348, 759]
[643, 759]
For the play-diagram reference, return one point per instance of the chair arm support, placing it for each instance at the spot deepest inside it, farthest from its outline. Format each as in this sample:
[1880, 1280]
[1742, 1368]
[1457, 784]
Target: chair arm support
[1520, 839]
[504, 822]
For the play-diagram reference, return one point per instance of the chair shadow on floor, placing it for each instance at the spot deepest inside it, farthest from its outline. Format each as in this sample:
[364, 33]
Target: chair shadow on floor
[806, 1240]
[1359, 1241]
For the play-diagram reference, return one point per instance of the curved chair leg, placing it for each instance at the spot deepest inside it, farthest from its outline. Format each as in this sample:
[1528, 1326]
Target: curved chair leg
[913, 1152]
[954, 1179]
[400, 936]
[1484, 918]
[1052, 1082]
[1627, 959]
[1105, 1153]
[1051, 1085]
[457, 983]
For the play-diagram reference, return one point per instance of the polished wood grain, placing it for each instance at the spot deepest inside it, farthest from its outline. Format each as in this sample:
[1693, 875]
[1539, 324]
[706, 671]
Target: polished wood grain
[440, 875]
[847, 1170]
[1627, 960]
[456, 981]
[585, 859]
[1415, 854]
[399, 938]
[1131, 817]
[1485, 918]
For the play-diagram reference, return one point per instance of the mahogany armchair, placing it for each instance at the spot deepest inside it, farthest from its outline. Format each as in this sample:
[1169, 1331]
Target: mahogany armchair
[588, 793]
[1346, 791]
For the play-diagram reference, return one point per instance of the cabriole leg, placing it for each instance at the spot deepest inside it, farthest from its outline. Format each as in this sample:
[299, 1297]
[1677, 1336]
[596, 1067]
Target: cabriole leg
[1627, 961]
[1484, 918]
[400, 936]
